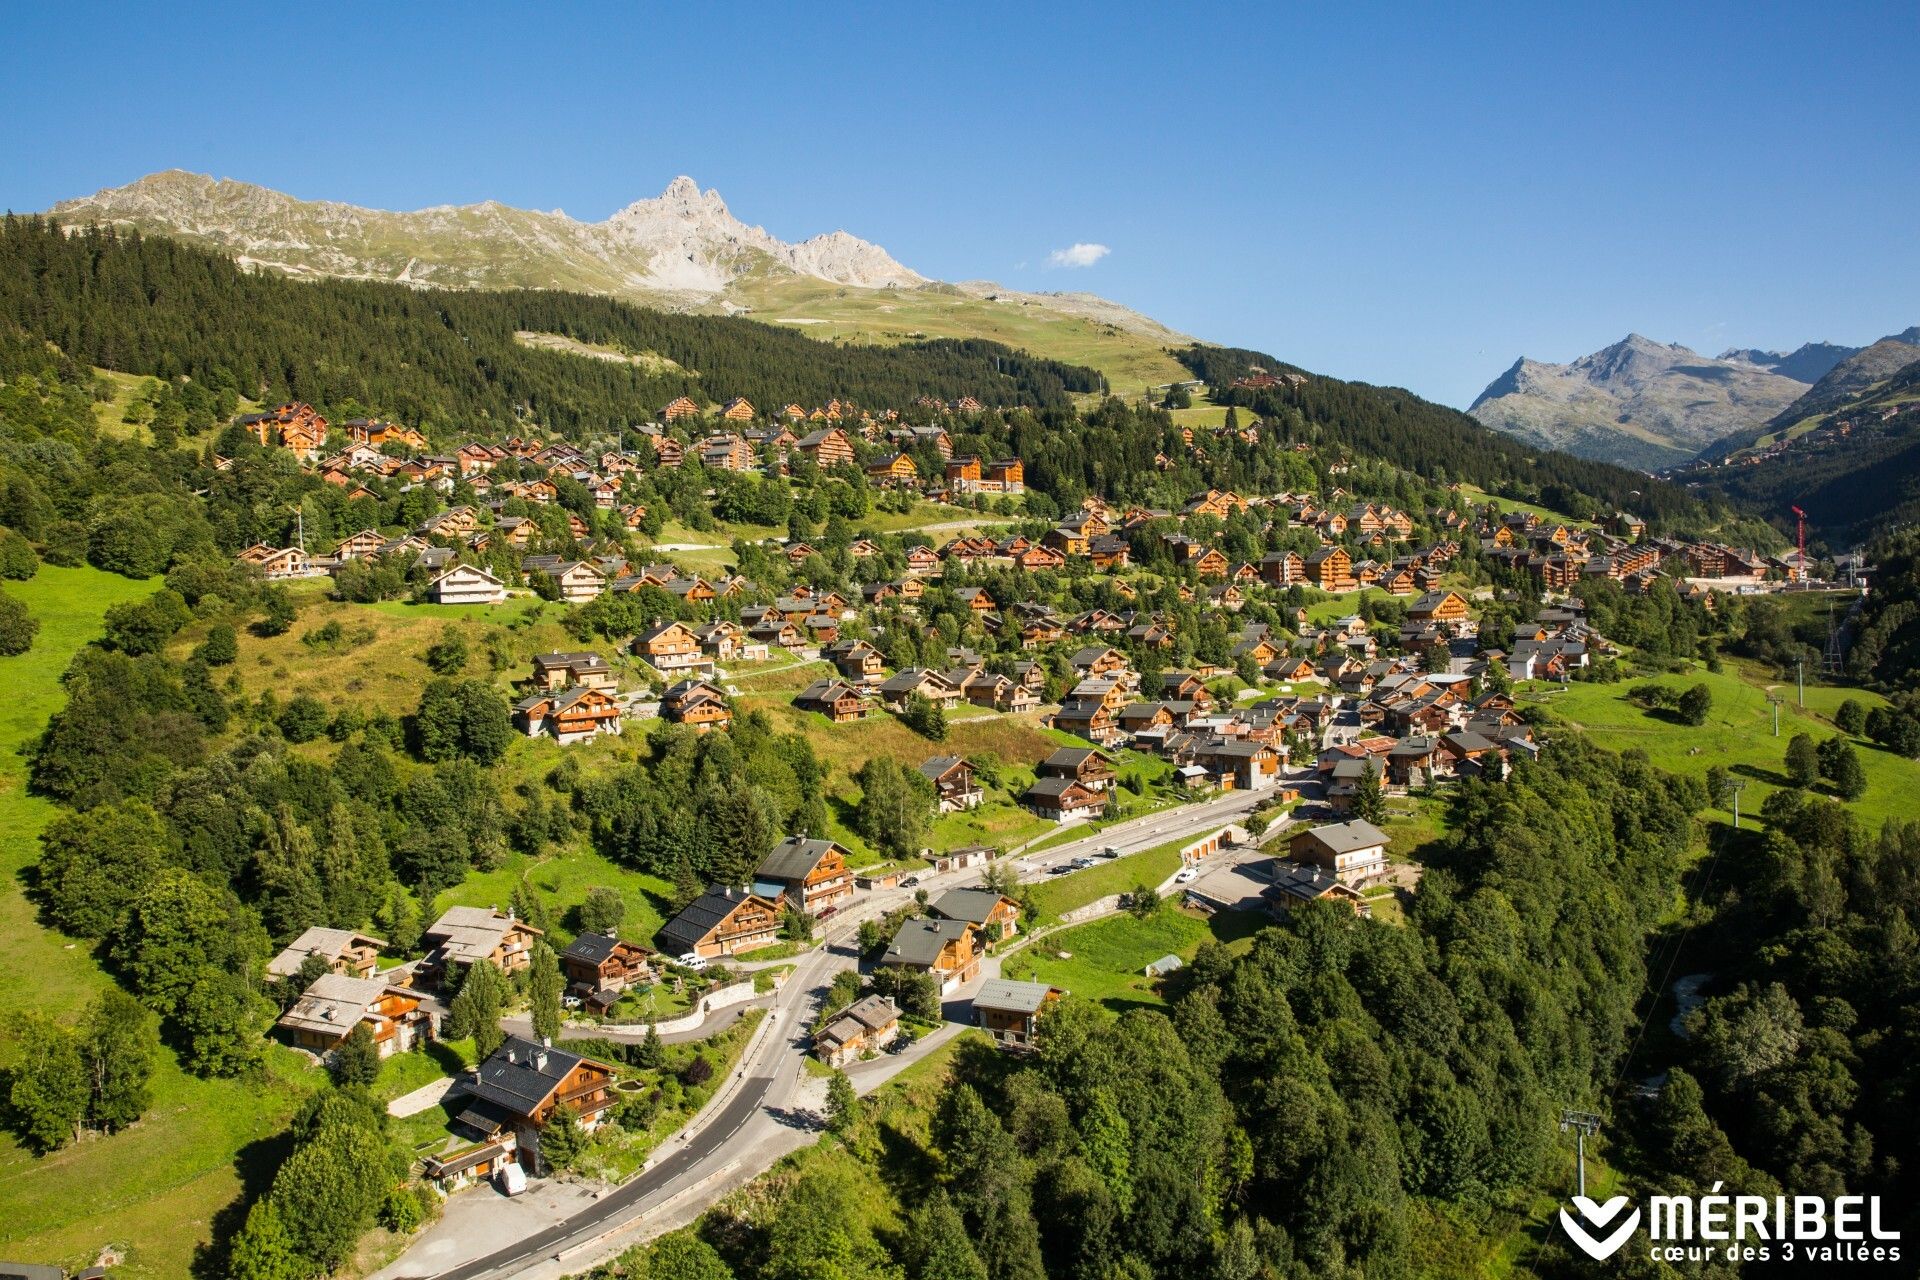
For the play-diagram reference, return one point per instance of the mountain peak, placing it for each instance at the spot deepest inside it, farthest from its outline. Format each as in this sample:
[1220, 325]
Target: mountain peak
[1639, 401]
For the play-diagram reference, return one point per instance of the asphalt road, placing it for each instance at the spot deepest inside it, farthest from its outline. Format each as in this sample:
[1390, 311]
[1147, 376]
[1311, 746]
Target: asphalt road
[753, 1127]
[650, 1183]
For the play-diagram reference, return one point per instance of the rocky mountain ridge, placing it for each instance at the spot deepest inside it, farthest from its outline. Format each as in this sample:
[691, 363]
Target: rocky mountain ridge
[1638, 402]
[683, 250]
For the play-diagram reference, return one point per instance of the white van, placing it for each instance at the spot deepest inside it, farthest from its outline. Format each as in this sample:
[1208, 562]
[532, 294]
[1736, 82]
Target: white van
[692, 960]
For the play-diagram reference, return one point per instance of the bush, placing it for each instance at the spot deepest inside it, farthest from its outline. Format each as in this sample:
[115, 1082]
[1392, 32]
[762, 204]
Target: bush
[18, 627]
[1694, 705]
[405, 1209]
[303, 719]
[17, 560]
[696, 1073]
[220, 647]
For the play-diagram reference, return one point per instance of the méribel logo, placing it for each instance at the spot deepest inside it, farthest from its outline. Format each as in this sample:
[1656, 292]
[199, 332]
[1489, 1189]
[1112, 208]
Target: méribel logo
[1596, 1243]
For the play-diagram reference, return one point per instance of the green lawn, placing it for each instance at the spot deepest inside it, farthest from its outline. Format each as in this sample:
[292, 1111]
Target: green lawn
[1057, 895]
[1738, 735]
[563, 880]
[153, 1189]
[1106, 960]
[1002, 824]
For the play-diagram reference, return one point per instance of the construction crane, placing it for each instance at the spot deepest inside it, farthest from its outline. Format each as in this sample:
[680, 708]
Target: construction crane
[1801, 517]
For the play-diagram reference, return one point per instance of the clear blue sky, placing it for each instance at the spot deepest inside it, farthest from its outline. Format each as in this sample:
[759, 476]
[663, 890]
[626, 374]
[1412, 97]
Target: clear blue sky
[1394, 193]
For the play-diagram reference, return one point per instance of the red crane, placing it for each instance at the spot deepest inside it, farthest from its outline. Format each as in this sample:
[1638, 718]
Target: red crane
[1801, 517]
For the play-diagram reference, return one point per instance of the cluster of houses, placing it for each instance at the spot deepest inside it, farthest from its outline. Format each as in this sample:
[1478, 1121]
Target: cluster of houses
[504, 1103]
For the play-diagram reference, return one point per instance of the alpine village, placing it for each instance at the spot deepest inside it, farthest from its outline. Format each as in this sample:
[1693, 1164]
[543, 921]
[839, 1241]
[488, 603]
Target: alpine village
[699, 801]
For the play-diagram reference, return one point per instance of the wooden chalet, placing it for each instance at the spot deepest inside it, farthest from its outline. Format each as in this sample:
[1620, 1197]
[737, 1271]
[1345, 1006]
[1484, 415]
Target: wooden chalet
[1011, 1011]
[335, 1003]
[698, 703]
[723, 921]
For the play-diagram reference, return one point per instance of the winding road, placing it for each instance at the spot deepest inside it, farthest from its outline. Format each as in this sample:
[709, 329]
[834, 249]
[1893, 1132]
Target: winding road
[769, 1106]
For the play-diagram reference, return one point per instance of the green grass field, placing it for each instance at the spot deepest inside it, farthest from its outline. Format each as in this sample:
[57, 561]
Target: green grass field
[1106, 960]
[152, 1190]
[1057, 895]
[1131, 361]
[562, 881]
[1737, 736]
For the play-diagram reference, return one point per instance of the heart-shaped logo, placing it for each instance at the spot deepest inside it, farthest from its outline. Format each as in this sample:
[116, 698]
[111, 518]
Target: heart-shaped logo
[1599, 1215]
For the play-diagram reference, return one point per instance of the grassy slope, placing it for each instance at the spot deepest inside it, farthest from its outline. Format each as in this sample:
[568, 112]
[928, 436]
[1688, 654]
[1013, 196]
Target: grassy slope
[1130, 361]
[1738, 735]
[1106, 960]
[153, 1189]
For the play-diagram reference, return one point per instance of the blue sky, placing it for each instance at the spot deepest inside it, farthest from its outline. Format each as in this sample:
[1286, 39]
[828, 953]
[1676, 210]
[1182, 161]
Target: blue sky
[1394, 193]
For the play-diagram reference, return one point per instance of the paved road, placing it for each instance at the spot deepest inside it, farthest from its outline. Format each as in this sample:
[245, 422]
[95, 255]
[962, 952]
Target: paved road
[650, 1185]
[771, 1111]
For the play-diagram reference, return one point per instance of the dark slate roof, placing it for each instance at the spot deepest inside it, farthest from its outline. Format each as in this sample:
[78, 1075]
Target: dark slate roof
[934, 768]
[592, 948]
[973, 905]
[684, 932]
[793, 859]
[521, 1075]
[919, 941]
[1070, 757]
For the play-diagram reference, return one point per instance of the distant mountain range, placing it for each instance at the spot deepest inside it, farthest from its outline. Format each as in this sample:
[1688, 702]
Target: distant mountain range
[1638, 402]
[1847, 452]
[683, 250]
[1654, 405]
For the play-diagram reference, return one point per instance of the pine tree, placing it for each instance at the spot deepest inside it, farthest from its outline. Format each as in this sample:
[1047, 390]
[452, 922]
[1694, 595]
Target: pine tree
[843, 1105]
[545, 988]
[1369, 802]
[357, 1060]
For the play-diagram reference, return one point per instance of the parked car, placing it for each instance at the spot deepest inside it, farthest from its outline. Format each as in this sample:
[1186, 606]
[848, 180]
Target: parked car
[1081, 864]
[1059, 869]
[910, 882]
[692, 960]
[1187, 875]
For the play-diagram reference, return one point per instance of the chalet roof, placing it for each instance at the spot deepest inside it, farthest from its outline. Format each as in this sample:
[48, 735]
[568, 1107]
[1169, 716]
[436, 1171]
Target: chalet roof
[1346, 837]
[521, 1075]
[972, 905]
[333, 1003]
[330, 943]
[467, 934]
[920, 941]
[871, 1013]
[1006, 995]
[1302, 883]
[1053, 787]
[939, 766]
[827, 691]
[571, 661]
[1073, 757]
[592, 948]
[793, 859]
[698, 918]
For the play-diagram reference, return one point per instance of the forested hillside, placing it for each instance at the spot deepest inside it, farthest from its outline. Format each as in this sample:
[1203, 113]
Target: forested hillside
[1853, 471]
[442, 359]
[1437, 442]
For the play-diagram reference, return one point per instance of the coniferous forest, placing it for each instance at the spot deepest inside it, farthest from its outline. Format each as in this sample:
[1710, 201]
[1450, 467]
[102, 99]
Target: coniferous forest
[439, 359]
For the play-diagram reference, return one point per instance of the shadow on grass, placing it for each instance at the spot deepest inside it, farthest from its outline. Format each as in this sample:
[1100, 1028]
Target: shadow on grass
[1770, 776]
[256, 1163]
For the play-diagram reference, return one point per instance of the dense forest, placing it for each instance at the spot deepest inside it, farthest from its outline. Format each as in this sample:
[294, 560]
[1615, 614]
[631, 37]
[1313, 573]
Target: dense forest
[446, 359]
[1851, 488]
[1346, 1098]
[1436, 442]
